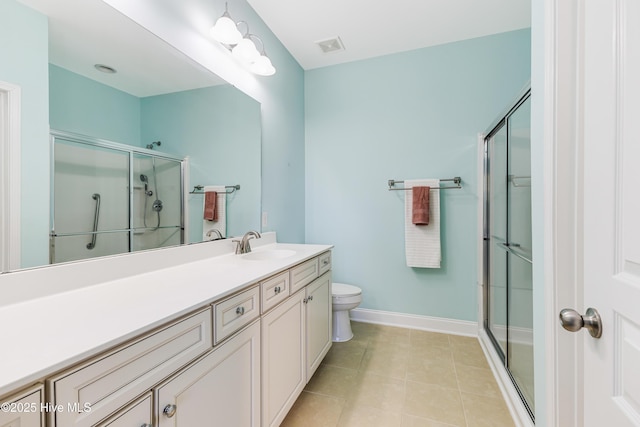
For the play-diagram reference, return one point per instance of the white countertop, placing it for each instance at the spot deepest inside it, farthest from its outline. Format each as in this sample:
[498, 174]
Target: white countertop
[43, 335]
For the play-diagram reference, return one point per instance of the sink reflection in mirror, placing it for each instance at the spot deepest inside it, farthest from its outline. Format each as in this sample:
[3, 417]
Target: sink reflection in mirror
[157, 94]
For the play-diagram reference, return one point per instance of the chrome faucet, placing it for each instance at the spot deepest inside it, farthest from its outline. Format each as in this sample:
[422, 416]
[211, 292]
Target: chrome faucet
[214, 231]
[243, 246]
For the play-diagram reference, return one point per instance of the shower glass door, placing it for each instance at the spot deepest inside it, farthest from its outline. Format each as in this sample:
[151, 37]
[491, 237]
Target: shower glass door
[508, 261]
[110, 198]
[90, 202]
[157, 202]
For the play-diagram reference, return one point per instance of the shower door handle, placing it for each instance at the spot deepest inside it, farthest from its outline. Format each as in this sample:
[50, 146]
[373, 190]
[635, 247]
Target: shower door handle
[572, 321]
[96, 217]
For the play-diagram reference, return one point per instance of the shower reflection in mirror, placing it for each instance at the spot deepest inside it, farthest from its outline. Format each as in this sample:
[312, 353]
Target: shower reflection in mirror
[140, 198]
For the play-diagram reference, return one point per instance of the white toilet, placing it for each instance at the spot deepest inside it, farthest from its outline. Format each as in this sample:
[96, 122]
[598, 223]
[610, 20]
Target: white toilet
[344, 298]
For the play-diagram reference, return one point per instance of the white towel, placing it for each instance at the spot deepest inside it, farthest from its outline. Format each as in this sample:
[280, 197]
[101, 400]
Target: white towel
[422, 242]
[221, 206]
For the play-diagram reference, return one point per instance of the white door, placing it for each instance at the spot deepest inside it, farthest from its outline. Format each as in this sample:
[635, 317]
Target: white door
[611, 214]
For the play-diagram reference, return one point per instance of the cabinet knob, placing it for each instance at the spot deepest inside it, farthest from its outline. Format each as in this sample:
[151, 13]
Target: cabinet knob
[310, 297]
[240, 310]
[170, 410]
[325, 262]
[277, 290]
[145, 425]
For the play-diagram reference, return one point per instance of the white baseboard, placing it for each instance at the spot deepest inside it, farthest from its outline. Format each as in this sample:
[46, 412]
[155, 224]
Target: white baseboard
[414, 321]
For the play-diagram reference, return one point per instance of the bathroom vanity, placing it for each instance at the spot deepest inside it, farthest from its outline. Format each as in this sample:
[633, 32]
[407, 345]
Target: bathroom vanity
[235, 337]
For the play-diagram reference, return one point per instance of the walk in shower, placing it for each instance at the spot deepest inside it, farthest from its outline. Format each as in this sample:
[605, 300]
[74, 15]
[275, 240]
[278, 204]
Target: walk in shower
[508, 289]
[109, 198]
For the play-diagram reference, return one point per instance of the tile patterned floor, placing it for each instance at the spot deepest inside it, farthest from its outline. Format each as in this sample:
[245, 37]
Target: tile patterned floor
[395, 377]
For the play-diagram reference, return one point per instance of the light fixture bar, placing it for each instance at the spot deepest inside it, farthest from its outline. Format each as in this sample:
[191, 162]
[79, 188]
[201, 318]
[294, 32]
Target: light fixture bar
[242, 47]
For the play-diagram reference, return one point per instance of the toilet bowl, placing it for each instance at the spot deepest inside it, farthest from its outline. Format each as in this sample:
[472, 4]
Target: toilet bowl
[344, 298]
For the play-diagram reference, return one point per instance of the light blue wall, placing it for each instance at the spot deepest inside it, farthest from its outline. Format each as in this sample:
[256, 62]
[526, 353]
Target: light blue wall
[219, 128]
[81, 105]
[24, 53]
[410, 115]
[283, 148]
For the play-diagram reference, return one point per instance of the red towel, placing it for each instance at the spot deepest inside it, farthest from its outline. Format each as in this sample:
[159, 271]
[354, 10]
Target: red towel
[420, 207]
[210, 205]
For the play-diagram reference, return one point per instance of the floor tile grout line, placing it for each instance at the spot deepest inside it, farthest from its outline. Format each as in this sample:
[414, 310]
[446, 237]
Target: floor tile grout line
[455, 369]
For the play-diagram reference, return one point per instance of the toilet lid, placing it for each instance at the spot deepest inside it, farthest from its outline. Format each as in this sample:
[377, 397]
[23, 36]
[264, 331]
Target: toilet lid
[343, 290]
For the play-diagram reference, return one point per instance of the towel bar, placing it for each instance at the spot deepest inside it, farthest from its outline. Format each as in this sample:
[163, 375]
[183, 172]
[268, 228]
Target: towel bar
[457, 181]
[197, 189]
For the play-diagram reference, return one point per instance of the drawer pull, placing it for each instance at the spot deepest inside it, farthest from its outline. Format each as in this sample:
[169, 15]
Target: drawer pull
[240, 311]
[170, 410]
[325, 262]
[145, 425]
[277, 290]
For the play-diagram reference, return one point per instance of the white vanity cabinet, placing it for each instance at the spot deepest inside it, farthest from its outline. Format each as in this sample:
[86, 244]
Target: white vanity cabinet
[240, 357]
[23, 409]
[87, 394]
[283, 358]
[221, 388]
[318, 322]
[296, 335]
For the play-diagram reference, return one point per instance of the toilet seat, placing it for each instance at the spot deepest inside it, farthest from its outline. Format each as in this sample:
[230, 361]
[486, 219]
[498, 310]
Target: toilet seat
[344, 290]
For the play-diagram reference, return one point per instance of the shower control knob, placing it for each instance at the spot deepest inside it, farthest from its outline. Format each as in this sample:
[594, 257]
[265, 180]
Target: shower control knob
[573, 321]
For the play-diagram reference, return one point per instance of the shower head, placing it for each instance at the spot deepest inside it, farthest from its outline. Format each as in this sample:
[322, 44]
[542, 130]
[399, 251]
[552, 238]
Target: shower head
[150, 146]
[144, 178]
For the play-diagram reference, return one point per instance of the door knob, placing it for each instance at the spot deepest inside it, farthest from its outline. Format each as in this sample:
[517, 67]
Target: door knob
[572, 321]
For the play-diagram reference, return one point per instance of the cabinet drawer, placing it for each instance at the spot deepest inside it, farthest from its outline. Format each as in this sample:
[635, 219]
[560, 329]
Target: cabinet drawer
[324, 263]
[137, 414]
[274, 290]
[23, 409]
[303, 274]
[236, 312]
[109, 382]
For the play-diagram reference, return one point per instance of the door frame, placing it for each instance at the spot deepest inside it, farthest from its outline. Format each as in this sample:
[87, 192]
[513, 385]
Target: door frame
[557, 196]
[10, 249]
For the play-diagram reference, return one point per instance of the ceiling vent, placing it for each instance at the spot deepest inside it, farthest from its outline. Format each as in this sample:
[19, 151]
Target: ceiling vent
[331, 45]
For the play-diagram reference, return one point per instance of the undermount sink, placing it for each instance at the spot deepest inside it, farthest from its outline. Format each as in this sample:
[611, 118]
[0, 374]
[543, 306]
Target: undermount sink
[268, 254]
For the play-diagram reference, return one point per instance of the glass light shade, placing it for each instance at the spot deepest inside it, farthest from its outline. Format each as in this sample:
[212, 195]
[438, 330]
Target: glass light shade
[263, 67]
[225, 31]
[246, 51]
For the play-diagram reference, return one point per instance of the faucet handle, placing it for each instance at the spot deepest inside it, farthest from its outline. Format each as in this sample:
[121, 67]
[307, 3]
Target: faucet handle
[238, 246]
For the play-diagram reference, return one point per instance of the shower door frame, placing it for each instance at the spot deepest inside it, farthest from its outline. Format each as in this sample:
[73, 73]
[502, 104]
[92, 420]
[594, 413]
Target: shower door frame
[131, 151]
[497, 125]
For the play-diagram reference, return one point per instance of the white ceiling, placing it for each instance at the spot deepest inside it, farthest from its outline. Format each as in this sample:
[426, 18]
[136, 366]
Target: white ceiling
[87, 32]
[370, 28]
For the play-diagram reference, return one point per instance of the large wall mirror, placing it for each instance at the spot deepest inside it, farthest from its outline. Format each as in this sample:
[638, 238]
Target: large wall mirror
[159, 103]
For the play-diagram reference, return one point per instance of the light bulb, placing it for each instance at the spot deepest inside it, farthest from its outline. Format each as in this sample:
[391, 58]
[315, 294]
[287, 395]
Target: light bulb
[263, 67]
[225, 31]
[246, 51]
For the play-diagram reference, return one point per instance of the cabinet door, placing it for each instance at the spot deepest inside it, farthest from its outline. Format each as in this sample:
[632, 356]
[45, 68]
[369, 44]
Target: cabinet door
[222, 388]
[283, 369]
[319, 318]
[23, 410]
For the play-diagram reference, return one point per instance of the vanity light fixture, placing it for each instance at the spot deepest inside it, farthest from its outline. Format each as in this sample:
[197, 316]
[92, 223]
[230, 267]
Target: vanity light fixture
[242, 47]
